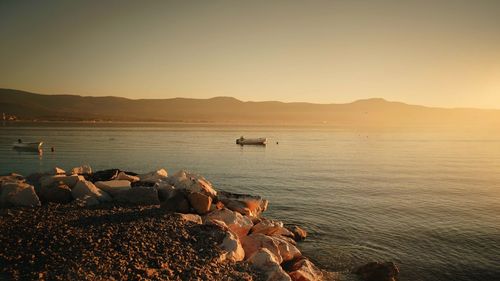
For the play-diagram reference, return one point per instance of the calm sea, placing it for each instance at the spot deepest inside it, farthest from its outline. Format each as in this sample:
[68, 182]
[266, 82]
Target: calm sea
[426, 199]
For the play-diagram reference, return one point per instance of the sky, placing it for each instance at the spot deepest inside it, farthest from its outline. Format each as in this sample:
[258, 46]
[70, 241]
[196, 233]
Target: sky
[435, 53]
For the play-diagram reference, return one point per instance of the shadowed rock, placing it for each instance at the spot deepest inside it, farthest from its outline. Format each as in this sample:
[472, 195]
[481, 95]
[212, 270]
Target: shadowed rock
[377, 271]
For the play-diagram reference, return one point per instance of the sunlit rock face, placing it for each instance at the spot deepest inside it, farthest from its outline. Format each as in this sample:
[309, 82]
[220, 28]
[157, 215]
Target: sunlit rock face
[18, 193]
[113, 187]
[248, 205]
[238, 223]
[88, 193]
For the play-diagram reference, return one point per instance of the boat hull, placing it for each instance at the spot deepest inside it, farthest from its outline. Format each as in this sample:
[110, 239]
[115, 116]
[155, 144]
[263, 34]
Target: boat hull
[259, 141]
[34, 146]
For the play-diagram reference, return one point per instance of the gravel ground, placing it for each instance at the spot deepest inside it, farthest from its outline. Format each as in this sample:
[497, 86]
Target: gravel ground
[109, 242]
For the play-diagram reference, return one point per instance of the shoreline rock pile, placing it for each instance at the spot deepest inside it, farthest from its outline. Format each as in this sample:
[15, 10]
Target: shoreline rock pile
[264, 244]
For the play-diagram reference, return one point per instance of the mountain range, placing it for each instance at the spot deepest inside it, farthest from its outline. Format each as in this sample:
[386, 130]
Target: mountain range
[368, 112]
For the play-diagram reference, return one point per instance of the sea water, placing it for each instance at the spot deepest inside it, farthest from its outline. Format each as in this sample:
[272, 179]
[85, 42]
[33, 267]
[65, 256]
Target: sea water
[427, 199]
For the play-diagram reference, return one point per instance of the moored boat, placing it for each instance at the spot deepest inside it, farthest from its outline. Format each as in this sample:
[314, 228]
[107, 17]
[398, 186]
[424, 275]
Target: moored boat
[256, 141]
[28, 145]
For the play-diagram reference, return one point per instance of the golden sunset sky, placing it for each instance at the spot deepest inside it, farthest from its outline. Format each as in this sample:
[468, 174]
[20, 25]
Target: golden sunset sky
[436, 53]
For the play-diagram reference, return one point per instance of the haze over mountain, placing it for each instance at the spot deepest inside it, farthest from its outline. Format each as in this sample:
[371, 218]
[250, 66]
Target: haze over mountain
[369, 112]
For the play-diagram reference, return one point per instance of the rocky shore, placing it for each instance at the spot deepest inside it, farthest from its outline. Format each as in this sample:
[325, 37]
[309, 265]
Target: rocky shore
[118, 225]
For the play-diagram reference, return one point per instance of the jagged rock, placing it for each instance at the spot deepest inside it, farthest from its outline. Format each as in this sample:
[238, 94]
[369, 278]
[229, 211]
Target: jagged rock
[88, 192]
[124, 176]
[113, 187]
[190, 217]
[281, 248]
[104, 175]
[176, 203]
[82, 170]
[18, 194]
[377, 271]
[59, 171]
[271, 228]
[154, 176]
[238, 223]
[230, 245]
[48, 181]
[201, 203]
[139, 196]
[299, 234]
[57, 193]
[192, 182]
[267, 262]
[165, 190]
[304, 270]
[12, 177]
[244, 204]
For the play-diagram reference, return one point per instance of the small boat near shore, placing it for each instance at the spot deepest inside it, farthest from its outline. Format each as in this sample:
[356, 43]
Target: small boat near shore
[32, 146]
[256, 141]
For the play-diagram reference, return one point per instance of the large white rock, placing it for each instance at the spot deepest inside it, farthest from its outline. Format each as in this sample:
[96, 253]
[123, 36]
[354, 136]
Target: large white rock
[47, 181]
[192, 182]
[305, 270]
[113, 187]
[18, 194]
[82, 170]
[280, 247]
[230, 245]
[124, 176]
[245, 204]
[266, 261]
[154, 176]
[271, 228]
[59, 171]
[88, 192]
[238, 223]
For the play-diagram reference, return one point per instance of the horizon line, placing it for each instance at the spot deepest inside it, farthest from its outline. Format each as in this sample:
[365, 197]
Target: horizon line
[257, 101]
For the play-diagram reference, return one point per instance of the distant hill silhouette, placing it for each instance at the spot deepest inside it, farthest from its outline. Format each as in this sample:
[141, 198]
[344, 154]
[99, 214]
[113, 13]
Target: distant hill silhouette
[369, 112]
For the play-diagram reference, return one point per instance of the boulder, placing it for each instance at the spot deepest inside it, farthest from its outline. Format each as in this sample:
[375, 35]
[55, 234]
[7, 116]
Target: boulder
[192, 182]
[113, 187]
[238, 223]
[244, 204]
[176, 203]
[139, 196]
[304, 270]
[299, 234]
[48, 181]
[127, 177]
[266, 262]
[231, 245]
[89, 193]
[10, 178]
[377, 271]
[281, 248]
[18, 194]
[200, 202]
[82, 170]
[190, 217]
[165, 190]
[154, 176]
[57, 193]
[271, 228]
[104, 175]
[59, 171]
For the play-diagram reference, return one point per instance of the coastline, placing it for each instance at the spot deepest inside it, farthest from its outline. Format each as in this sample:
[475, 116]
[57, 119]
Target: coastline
[242, 241]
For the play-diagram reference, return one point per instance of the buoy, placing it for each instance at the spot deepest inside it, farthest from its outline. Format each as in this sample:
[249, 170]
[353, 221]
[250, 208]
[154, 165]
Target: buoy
[52, 149]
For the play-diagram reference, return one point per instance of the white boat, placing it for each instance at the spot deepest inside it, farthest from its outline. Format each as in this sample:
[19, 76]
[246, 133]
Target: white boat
[257, 141]
[28, 145]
